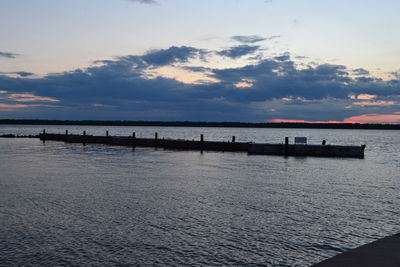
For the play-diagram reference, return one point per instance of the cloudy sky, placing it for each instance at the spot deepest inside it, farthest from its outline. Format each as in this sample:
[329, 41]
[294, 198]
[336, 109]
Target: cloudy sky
[209, 60]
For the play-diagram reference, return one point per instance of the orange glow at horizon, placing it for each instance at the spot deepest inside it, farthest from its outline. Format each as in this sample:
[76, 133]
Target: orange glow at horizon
[304, 121]
[375, 118]
[362, 119]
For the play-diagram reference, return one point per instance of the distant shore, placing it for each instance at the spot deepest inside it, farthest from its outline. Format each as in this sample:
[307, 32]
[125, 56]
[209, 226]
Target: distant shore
[205, 124]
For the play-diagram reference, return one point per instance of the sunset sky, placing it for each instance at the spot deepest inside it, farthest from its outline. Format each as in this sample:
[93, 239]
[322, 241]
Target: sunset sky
[210, 60]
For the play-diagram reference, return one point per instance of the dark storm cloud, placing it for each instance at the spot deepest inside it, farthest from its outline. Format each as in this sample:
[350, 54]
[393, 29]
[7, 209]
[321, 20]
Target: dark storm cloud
[361, 71]
[278, 79]
[172, 55]
[24, 73]
[8, 55]
[284, 57]
[239, 51]
[248, 38]
[20, 73]
[251, 39]
[196, 69]
[121, 85]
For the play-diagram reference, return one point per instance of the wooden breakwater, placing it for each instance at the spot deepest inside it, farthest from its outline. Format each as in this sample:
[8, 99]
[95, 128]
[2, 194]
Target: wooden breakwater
[284, 149]
[18, 136]
[308, 150]
[133, 141]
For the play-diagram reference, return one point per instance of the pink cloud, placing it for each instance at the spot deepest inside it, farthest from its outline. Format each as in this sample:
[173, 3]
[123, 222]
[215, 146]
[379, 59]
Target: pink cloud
[362, 96]
[15, 106]
[12, 107]
[366, 97]
[303, 121]
[375, 118]
[31, 98]
[366, 118]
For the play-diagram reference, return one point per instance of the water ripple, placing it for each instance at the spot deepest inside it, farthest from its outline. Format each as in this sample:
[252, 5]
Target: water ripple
[68, 205]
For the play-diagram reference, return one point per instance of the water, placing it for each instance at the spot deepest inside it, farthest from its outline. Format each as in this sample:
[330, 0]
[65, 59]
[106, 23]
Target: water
[65, 204]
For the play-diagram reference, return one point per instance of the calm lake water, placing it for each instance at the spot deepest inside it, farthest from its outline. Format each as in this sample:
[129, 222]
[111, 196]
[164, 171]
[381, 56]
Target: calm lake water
[69, 205]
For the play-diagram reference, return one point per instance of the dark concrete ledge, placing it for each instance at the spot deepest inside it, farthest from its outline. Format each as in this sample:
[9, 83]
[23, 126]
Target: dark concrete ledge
[384, 252]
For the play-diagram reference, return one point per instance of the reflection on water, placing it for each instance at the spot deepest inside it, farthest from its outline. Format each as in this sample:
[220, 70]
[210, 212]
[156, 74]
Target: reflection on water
[65, 204]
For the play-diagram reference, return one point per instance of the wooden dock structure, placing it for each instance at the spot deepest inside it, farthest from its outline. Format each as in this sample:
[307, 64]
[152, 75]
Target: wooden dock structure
[383, 252]
[284, 149]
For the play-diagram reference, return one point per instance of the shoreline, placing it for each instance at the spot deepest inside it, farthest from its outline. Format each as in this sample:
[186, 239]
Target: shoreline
[347, 126]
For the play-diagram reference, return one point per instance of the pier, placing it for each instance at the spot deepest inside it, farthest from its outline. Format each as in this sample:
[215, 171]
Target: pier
[299, 148]
[383, 252]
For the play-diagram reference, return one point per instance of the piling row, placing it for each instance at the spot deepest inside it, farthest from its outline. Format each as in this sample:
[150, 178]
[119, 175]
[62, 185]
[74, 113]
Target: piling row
[148, 142]
[284, 149]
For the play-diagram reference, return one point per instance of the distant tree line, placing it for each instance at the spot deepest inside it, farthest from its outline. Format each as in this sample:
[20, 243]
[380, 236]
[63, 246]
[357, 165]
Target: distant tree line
[205, 124]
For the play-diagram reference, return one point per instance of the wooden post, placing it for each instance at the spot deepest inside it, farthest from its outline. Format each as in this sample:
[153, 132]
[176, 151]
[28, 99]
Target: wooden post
[66, 132]
[201, 142]
[286, 146]
[107, 133]
[233, 139]
[44, 135]
[133, 139]
[84, 138]
[156, 136]
[323, 142]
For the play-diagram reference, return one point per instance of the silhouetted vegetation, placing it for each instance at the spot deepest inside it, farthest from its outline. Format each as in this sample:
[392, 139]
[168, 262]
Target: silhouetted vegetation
[206, 124]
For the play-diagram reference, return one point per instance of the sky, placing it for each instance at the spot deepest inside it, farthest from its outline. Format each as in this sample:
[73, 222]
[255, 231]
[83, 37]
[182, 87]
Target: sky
[209, 60]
